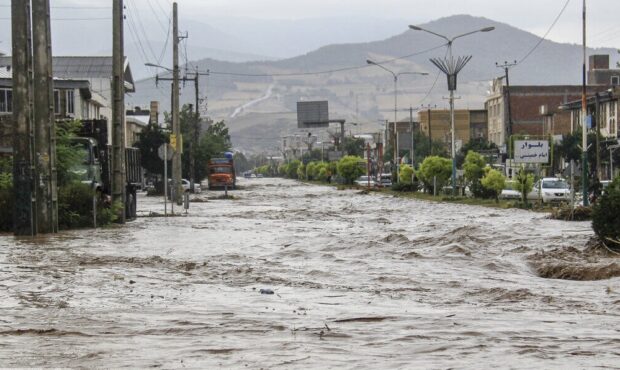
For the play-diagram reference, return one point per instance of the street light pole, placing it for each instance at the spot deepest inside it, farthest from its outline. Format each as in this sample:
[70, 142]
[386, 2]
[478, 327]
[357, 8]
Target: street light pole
[395, 136]
[584, 112]
[451, 69]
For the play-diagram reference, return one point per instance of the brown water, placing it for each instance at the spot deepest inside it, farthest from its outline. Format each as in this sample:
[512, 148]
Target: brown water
[360, 281]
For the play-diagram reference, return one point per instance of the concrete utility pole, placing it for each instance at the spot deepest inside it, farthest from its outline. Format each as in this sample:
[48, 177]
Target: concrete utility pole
[506, 66]
[24, 218]
[176, 124]
[118, 108]
[44, 125]
[584, 112]
[194, 142]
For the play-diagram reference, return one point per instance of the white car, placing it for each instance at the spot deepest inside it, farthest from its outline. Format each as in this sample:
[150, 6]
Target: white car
[364, 180]
[186, 186]
[550, 189]
[509, 192]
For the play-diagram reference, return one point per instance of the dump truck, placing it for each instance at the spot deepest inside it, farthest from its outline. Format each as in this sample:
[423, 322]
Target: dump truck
[221, 172]
[96, 167]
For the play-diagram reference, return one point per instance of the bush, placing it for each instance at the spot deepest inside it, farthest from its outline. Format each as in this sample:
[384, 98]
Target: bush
[406, 174]
[291, 169]
[301, 171]
[349, 168]
[311, 171]
[494, 181]
[432, 167]
[75, 207]
[474, 170]
[524, 182]
[401, 186]
[606, 215]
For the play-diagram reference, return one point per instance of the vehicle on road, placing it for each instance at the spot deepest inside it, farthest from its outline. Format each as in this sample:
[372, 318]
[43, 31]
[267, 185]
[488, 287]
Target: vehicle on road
[365, 180]
[385, 180]
[509, 192]
[221, 172]
[550, 190]
[186, 186]
[96, 166]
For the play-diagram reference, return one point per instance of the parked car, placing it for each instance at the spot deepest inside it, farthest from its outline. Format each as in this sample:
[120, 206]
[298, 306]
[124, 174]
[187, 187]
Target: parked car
[509, 191]
[364, 181]
[385, 180]
[550, 189]
[186, 186]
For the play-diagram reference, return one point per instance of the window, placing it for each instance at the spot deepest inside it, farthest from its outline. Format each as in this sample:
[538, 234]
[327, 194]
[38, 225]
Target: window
[615, 80]
[70, 102]
[6, 101]
[56, 102]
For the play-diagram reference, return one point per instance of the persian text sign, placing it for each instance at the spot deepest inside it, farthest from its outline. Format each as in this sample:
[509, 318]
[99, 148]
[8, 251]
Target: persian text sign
[531, 151]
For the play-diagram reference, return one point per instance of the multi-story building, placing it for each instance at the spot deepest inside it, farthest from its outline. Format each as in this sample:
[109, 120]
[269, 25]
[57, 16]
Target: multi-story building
[535, 109]
[468, 124]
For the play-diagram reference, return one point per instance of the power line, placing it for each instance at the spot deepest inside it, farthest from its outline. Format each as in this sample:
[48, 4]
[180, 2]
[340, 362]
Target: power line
[546, 33]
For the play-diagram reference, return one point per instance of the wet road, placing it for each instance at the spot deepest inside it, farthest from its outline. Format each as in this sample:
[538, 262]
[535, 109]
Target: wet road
[360, 281]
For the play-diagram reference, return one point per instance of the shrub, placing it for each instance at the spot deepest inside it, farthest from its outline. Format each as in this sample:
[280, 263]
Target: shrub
[349, 168]
[494, 181]
[301, 171]
[311, 171]
[291, 169]
[524, 182]
[606, 215]
[282, 169]
[406, 174]
[474, 170]
[432, 167]
[75, 207]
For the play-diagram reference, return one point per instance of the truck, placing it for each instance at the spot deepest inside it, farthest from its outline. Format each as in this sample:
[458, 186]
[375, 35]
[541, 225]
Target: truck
[221, 172]
[96, 169]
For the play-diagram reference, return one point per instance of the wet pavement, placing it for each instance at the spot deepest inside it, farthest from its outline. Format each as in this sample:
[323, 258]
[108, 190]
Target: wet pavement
[359, 281]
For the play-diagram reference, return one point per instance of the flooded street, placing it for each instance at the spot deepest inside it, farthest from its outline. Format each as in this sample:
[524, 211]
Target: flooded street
[360, 281]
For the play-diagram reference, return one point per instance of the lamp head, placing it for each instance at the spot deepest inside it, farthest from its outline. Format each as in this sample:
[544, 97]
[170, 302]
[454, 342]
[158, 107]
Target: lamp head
[415, 28]
[487, 29]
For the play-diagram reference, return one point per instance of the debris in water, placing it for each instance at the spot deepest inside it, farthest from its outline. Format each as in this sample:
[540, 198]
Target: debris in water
[266, 291]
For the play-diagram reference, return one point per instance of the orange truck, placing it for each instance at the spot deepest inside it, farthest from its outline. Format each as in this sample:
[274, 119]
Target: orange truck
[221, 173]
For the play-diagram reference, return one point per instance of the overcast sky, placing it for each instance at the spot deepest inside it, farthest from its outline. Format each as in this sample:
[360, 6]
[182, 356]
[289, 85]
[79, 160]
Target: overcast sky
[532, 15]
[535, 16]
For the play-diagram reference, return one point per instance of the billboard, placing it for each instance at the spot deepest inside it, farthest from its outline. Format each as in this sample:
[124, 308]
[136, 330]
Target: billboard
[312, 114]
[531, 151]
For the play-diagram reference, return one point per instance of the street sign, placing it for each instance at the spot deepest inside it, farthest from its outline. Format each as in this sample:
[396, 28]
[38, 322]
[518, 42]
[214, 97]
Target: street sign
[161, 150]
[531, 151]
[312, 114]
[173, 140]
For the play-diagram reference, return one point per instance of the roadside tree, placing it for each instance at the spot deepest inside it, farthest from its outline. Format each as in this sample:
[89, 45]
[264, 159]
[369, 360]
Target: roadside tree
[435, 171]
[494, 181]
[349, 168]
[606, 215]
[524, 183]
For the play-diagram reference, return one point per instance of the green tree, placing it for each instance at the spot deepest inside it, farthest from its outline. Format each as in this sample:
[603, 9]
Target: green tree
[149, 142]
[435, 167]
[406, 174]
[68, 153]
[473, 168]
[349, 168]
[291, 169]
[301, 172]
[606, 215]
[476, 145]
[311, 170]
[524, 182]
[494, 181]
[354, 146]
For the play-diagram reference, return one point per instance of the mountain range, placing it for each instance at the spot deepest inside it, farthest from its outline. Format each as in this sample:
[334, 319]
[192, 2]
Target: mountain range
[260, 109]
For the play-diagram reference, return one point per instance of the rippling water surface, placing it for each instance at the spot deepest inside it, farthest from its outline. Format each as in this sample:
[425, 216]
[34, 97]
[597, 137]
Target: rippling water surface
[360, 281]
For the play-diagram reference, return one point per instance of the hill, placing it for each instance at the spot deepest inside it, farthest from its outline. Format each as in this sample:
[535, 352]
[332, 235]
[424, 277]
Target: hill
[364, 93]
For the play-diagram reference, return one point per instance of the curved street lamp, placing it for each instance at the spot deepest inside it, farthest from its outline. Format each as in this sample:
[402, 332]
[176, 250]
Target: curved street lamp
[451, 68]
[395, 75]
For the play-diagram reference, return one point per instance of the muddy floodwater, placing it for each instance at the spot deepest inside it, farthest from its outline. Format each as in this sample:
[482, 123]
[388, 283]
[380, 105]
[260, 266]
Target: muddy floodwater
[359, 281]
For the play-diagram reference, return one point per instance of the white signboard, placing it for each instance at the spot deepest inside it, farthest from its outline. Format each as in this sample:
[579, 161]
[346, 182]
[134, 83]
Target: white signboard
[531, 151]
